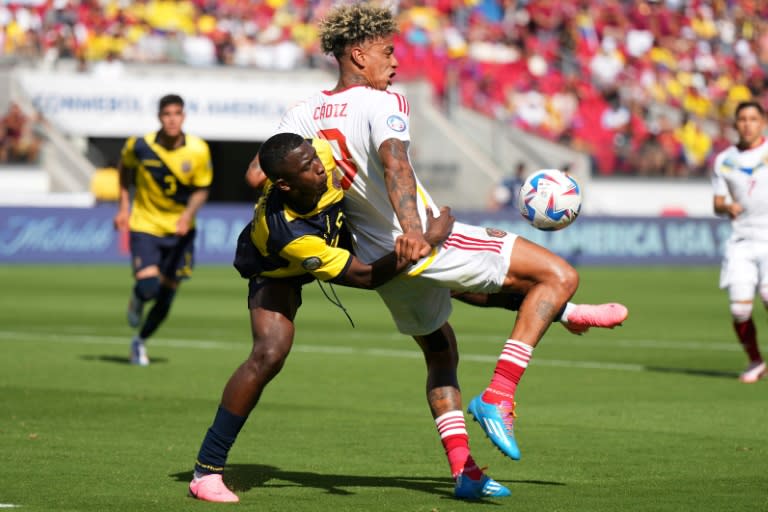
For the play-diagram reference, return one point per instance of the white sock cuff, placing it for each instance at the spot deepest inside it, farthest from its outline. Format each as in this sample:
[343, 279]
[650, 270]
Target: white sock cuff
[451, 424]
[567, 311]
[517, 353]
[450, 415]
[519, 344]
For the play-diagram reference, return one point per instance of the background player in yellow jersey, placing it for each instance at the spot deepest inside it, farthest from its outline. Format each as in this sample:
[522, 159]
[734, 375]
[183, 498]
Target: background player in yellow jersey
[170, 172]
[292, 240]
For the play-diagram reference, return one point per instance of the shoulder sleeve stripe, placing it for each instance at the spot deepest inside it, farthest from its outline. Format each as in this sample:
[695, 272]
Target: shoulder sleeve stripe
[402, 103]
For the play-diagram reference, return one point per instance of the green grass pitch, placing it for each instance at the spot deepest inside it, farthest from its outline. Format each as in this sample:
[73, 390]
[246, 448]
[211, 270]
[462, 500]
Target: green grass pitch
[647, 417]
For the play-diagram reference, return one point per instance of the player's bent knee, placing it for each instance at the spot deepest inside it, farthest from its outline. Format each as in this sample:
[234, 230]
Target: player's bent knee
[741, 311]
[572, 279]
[268, 358]
[147, 288]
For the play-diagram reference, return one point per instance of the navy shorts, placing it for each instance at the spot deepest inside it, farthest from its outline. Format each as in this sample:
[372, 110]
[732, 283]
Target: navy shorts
[173, 254]
[295, 284]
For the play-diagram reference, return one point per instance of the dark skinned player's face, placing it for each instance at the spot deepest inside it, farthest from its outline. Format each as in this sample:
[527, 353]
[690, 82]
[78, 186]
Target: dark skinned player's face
[305, 175]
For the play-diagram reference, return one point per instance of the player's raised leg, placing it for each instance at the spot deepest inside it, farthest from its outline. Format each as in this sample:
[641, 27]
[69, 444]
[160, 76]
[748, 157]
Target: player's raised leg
[576, 318]
[550, 281]
[444, 397]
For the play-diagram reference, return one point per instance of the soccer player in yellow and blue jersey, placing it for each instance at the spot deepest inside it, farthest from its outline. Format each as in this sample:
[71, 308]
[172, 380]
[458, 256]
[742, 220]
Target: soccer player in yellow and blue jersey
[293, 239]
[170, 172]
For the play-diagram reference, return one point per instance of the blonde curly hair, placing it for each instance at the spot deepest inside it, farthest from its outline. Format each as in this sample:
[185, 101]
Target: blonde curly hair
[351, 24]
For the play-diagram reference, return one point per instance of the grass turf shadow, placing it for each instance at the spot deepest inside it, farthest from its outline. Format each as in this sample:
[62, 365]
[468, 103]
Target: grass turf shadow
[694, 371]
[244, 477]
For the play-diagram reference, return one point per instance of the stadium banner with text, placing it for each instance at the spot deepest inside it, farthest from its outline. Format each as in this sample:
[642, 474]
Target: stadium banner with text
[86, 235]
[237, 109]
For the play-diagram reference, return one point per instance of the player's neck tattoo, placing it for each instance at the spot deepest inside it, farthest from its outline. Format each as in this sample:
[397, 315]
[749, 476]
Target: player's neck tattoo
[348, 80]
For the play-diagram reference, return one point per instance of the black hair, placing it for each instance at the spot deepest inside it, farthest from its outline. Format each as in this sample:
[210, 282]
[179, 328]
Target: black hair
[169, 99]
[274, 150]
[749, 104]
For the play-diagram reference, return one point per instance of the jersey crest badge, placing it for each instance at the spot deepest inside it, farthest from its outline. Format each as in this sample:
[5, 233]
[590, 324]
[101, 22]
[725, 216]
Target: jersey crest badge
[396, 123]
[311, 263]
[186, 166]
[496, 233]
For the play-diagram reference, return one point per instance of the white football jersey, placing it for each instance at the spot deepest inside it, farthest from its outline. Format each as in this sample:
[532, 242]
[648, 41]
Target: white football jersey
[356, 121]
[744, 176]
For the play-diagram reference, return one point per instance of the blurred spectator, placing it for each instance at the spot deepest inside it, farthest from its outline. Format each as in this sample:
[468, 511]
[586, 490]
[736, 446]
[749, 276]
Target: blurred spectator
[19, 142]
[607, 64]
[543, 65]
[504, 193]
[110, 68]
[696, 147]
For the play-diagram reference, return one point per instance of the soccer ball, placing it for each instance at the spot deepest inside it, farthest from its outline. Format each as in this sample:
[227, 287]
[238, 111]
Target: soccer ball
[549, 199]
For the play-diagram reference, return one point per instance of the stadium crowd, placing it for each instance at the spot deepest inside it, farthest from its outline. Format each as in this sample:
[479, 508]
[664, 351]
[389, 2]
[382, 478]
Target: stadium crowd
[646, 87]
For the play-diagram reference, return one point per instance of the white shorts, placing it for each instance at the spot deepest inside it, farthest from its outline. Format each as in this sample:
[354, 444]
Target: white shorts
[472, 259]
[744, 267]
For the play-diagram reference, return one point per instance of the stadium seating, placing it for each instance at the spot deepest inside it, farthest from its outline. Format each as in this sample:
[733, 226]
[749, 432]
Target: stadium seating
[646, 88]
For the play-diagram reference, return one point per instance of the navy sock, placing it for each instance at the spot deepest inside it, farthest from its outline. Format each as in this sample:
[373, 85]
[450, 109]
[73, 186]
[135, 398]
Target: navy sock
[158, 312]
[218, 440]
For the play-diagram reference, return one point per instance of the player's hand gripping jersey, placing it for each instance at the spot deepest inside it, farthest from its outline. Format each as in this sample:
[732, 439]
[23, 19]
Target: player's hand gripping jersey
[744, 175]
[164, 179]
[356, 121]
[291, 244]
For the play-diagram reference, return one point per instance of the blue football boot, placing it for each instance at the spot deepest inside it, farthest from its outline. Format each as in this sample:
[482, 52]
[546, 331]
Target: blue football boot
[486, 487]
[497, 422]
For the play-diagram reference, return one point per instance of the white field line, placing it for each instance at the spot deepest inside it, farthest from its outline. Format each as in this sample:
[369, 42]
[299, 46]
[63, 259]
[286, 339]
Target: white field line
[86, 339]
[465, 340]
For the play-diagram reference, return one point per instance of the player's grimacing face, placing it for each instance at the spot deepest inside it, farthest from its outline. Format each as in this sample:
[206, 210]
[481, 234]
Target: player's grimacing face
[306, 177]
[380, 62]
[171, 119]
[750, 124]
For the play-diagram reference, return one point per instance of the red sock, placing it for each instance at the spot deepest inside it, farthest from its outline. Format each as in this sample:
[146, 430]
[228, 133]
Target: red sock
[509, 370]
[453, 434]
[748, 337]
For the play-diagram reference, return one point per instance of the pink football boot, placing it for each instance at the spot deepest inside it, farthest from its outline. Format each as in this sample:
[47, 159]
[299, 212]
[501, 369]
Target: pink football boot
[584, 316]
[211, 488]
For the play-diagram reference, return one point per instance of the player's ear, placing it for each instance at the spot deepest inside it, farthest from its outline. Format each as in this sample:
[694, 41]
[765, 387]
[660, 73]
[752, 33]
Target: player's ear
[357, 56]
[282, 185]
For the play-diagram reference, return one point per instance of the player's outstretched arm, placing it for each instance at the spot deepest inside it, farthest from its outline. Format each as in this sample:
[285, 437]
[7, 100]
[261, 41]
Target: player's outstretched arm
[362, 275]
[401, 187]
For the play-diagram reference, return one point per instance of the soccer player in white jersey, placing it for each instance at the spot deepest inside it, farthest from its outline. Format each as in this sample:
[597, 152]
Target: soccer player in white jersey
[741, 175]
[368, 128]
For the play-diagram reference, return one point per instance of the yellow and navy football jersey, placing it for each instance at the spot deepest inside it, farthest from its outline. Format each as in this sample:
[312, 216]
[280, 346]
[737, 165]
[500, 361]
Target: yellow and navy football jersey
[164, 179]
[291, 244]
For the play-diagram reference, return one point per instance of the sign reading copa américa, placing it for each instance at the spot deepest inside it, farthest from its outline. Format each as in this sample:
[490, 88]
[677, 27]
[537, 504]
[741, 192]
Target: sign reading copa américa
[217, 108]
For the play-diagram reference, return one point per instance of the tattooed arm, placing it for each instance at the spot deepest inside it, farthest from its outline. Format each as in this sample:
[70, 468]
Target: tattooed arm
[401, 187]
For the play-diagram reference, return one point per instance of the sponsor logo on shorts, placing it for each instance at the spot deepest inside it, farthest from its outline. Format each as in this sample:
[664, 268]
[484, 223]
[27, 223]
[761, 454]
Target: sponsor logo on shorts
[312, 263]
[496, 233]
[396, 123]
